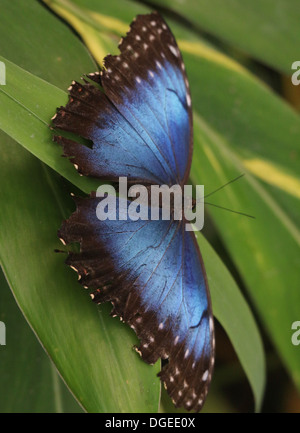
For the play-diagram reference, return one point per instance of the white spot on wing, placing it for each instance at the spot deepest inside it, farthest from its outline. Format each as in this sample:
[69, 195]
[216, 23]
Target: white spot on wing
[173, 50]
[74, 269]
[205, 376]
[188, 100]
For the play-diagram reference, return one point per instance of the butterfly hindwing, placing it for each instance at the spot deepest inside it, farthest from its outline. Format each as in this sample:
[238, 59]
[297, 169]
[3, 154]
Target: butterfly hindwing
[153, 274]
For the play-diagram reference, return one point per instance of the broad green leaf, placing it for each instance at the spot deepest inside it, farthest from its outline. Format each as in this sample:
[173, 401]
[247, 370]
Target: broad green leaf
[23, 360]
[259, 126]
[247, 323]
[34, 39]
[236, 318]
[265, 250]
[267, 30]
[95, 28]
[27, 104]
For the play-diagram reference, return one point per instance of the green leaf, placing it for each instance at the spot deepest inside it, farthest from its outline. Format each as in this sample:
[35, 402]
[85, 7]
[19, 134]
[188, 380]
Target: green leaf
[267, 30]
[34, 39]
[22, 361]
[27, 104]
[236, 318]
[258, 125]
[247, 324]
[256, 246]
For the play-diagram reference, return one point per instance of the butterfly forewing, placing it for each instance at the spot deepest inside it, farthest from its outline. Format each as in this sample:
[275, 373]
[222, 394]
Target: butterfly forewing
[155, 95]
[141, 125]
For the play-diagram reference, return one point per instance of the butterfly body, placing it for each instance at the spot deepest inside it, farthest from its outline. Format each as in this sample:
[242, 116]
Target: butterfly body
[140, 124]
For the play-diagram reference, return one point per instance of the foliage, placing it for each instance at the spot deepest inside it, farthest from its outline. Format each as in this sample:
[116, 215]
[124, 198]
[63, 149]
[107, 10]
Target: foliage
[241, 126]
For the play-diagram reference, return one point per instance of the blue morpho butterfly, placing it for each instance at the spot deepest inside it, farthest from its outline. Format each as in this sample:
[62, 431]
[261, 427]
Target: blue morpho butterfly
[137, 113]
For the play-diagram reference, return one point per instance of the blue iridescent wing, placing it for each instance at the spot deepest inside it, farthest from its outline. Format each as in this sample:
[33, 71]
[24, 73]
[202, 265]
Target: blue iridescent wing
[140, 119]
[153, 274]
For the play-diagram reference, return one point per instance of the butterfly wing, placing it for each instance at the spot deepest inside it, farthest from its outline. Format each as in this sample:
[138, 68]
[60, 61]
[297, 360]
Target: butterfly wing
[138, 117]
[153, 274]
[141, 125]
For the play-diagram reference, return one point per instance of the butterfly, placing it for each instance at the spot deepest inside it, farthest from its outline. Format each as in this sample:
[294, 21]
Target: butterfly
[137, 114]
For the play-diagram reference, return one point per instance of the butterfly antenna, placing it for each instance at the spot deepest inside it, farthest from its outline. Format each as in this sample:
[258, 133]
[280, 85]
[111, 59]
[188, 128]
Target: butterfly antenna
[223, 186]
[230, 210]
[225, 208]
